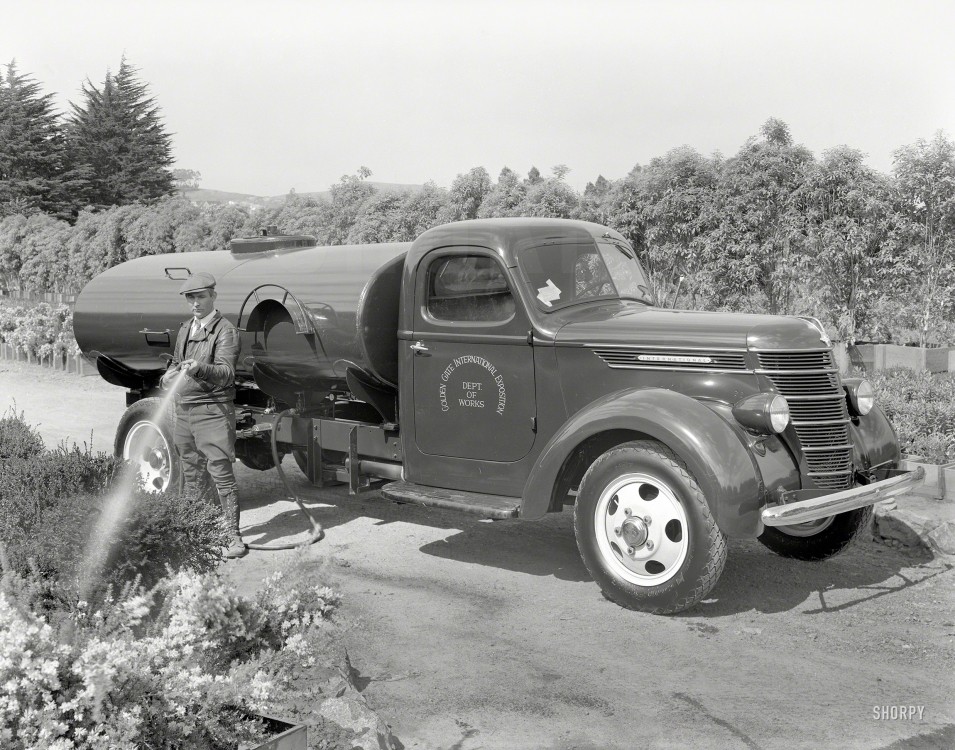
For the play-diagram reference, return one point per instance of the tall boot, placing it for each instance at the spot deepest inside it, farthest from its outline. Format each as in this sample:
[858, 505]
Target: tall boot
[230, 512]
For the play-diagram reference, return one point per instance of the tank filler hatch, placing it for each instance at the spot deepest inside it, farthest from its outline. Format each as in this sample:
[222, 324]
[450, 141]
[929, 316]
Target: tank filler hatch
[270, 239]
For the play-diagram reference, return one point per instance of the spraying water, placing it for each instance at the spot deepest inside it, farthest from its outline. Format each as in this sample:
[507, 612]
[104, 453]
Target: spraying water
[146, 460]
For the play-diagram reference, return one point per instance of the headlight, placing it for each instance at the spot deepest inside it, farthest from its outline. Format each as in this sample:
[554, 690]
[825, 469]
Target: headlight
[861, 395]
[765, 412]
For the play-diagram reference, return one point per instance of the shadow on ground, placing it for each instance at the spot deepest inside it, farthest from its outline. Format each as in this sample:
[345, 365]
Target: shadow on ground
[754, 579]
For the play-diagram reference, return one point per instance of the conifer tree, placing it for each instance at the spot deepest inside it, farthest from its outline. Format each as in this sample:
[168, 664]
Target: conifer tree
[33, 177]
[118, 142]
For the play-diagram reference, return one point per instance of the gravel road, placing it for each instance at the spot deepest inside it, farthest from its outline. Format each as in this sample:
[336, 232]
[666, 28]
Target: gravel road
[470, 634]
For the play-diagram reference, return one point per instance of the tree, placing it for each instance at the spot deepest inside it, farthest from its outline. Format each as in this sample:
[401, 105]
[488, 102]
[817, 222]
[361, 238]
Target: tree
[756, 240]
[224, 224]
[400, 216]
[850, 226]
[45, 256]
[33, 173]
[186, 179]
[12, 231]
[925, 181]
[118, 143]
[421, 210]
[348, 196]
[595, 202]
[379, 219]
[98, 241]
[504, 197]
[663, 209]
[466, 195]
[172, 225]
[552, 198]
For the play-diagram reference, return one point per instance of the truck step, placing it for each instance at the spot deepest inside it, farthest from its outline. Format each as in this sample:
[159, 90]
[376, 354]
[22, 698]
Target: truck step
[476, 503]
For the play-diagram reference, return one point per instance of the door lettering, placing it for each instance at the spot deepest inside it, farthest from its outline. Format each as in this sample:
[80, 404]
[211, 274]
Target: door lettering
[473, 391]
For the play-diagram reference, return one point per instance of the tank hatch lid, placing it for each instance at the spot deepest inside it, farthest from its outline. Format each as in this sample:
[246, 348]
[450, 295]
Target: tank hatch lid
[270, 239]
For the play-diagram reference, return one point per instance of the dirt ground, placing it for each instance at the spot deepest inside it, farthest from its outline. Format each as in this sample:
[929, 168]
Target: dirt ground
[470, 634]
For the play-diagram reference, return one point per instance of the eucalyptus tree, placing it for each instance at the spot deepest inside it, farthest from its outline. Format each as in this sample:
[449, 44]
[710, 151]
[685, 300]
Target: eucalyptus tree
[925, 184]
[550, 197]
[595, 201]
[664, 209]
[851, 228]
[504, 197]
[466, 195]
[756, 240]
[348, 196]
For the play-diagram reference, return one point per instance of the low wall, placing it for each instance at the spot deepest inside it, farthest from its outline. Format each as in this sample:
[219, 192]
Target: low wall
[877, 357]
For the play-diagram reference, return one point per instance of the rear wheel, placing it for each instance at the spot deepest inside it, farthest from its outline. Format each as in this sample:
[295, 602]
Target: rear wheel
[644, 530]
[144, 438]
[817, 540]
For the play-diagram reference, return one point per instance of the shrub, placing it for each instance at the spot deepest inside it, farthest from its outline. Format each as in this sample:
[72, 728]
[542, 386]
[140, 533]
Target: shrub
[921, 407]
[52, 506]
[31, 484]
[17, 438]
[80, 558]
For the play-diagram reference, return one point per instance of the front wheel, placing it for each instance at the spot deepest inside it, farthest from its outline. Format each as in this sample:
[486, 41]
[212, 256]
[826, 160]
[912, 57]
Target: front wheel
[817, 540]
[144, 438]
[645, 531]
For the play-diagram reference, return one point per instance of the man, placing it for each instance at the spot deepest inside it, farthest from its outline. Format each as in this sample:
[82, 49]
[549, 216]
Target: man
[207, 348]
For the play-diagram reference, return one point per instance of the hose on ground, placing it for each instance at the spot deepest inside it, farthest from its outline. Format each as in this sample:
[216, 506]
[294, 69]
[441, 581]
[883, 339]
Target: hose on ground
[316, 532]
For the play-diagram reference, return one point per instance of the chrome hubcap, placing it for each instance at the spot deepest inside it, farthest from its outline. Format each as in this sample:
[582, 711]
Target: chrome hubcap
[634, 532]
[149, 453]
[641, 529]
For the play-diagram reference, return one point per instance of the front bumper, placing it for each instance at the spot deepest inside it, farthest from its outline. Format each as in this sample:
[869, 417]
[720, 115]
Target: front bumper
[824, 506]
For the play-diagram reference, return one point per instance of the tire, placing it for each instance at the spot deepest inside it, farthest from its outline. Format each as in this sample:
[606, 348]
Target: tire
[662, 567]
[144, 438]
[258, 458]
[817, 540]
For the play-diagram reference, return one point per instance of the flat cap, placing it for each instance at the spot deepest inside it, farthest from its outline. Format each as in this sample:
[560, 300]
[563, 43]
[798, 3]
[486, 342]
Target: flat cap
[197, 282]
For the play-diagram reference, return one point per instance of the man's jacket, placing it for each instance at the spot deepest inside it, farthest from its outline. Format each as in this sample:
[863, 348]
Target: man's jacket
[216, 349]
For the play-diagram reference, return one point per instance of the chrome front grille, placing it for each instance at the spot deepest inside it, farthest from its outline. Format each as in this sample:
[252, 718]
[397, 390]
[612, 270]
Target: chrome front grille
[817, 406]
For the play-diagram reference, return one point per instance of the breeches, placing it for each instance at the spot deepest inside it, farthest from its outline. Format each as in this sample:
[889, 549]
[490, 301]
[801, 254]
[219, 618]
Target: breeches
[205, 441]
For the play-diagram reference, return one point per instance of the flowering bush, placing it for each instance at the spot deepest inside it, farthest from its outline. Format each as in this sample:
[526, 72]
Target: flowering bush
[42, 329]
[178, 666]
[921, 407]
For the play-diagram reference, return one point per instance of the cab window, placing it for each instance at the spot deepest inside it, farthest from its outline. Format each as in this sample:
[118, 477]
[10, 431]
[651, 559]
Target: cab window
[468, 288]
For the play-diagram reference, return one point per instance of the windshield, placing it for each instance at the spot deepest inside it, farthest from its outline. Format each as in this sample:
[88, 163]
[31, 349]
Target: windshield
[567, 273]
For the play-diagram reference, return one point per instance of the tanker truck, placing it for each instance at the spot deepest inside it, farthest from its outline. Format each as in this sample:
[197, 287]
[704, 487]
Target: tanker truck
[510, 368]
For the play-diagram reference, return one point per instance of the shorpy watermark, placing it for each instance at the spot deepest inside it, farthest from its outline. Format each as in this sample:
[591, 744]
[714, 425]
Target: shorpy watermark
[897, 713]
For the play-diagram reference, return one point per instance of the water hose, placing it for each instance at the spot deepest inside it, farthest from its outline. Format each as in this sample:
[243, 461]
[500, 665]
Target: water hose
[316, 532]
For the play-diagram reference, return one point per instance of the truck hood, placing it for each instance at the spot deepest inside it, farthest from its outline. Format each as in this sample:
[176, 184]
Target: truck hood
[655, 327]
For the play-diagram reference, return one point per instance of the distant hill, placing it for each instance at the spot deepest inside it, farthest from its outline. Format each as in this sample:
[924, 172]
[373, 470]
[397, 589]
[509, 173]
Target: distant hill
[205, 195]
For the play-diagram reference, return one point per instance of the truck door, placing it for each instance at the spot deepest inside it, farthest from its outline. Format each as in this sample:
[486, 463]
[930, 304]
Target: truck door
[474, 394]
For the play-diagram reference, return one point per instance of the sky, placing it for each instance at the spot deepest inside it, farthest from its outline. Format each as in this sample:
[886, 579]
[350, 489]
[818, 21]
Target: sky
[263, 97]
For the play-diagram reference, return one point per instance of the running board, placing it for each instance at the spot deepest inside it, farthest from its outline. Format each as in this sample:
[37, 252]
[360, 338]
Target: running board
[475, 503]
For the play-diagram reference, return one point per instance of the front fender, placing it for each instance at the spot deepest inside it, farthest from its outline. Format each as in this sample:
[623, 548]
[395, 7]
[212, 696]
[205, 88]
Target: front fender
[714, 454]
[875, 441]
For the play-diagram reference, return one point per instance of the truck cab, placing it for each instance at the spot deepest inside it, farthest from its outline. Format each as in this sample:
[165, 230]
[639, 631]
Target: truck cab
[514, 367]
